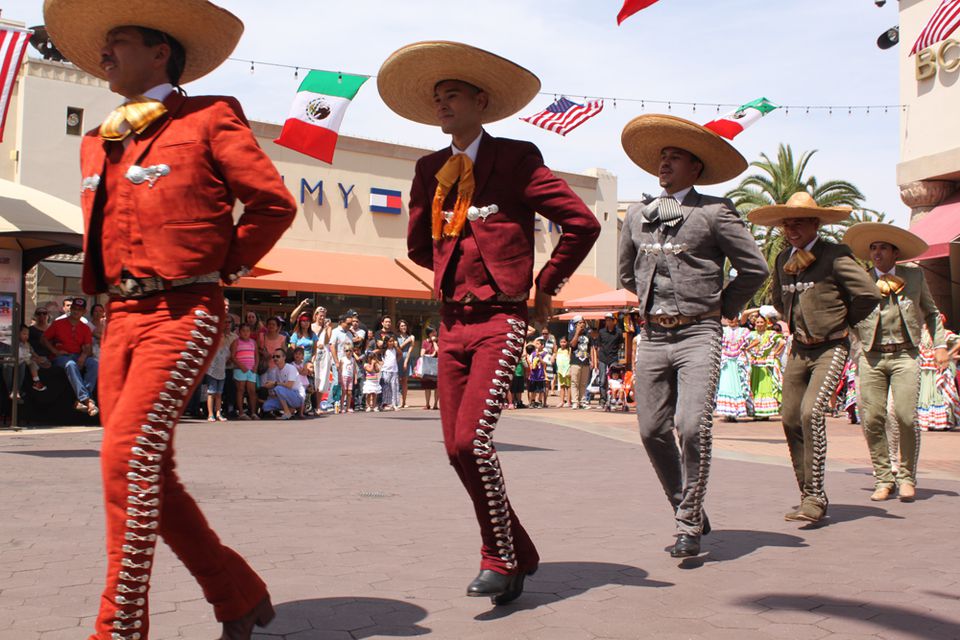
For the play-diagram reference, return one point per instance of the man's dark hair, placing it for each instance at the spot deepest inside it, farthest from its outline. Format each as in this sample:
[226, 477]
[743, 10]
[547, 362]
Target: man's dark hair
[178, 55]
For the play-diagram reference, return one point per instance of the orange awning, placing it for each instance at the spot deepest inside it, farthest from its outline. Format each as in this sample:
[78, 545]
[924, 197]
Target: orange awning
[340, 273]
[580, 285]
[939, 228]
[616, 299]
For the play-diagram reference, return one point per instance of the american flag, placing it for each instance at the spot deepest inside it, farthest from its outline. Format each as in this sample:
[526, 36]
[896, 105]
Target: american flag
[13, 44]
[564, 115]
[945, 21]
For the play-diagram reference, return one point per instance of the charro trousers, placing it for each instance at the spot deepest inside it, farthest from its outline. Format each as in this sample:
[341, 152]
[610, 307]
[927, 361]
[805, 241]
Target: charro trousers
[880, 374]
[154, 353]
[675, 383]
[479, 349]
[809, 382]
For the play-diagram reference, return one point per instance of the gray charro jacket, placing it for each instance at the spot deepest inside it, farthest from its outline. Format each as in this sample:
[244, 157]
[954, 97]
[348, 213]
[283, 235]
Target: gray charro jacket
[710, 232]
[916, 308]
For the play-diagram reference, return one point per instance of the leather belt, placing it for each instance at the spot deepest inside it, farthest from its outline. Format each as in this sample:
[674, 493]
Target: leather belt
[133, 287]
[892, 348]
[672, 322]
[471, 299]
[809, 342]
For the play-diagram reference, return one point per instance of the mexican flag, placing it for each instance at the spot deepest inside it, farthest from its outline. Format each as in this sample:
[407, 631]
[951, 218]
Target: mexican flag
[631, 7]
[317, 111]
[739, 119]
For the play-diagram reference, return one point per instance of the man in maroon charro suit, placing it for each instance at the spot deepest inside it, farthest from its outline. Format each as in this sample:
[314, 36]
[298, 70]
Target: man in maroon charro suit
[160, 179]
[479, 241]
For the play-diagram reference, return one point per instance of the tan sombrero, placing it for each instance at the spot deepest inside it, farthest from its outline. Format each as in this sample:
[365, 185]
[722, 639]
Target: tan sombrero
[800, 205]
[860, 236]
[79, 29]
[407, 79]
[646, 136]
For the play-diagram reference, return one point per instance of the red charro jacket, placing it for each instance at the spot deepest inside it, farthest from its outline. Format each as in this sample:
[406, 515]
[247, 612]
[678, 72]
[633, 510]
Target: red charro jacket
[186, 216]
[510, 174]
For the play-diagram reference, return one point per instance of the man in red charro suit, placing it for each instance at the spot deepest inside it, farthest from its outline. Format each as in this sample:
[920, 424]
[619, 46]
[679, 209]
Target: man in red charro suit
[160, 178]
[472, 208]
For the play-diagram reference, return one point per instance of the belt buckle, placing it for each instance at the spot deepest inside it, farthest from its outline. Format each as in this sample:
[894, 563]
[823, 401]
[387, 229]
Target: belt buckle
[130, 287]
[669, 322]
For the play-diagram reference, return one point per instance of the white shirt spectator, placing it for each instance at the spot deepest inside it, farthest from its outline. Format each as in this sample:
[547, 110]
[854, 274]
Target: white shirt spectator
[287, 374]
[340, 338]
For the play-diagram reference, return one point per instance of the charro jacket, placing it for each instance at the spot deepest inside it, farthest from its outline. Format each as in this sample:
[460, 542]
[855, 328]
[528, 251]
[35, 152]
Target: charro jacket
[511, 175]
[185, 216]
[917, 308]
[829, 296]
[710, 233]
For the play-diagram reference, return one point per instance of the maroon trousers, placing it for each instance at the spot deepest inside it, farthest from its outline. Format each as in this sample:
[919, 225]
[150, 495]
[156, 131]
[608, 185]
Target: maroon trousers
[154, 353]
[479, 348]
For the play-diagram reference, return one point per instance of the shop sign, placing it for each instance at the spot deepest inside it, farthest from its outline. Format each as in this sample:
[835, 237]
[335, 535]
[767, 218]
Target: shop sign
[944, 56]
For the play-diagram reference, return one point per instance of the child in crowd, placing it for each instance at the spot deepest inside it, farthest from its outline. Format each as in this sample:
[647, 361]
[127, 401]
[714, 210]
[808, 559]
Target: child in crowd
[549, 371]
[371, 380]
[216, 378]
[245, 356]
[303, 370]
[616, 390]
[347, 367]
[26, 359]
[390, 372]
[562, 364]
[517, 384]
[536, 376]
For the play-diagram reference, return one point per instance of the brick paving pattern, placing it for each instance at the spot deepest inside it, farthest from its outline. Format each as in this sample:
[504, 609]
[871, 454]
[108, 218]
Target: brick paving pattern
[362, 531]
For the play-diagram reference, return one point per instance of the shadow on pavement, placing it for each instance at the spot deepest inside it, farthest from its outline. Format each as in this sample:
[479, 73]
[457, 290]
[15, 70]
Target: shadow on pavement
[730, 544]
[926, 494]
[358, 617]
[59, 453]
[906, 623]
[556, 581]
[837, 513]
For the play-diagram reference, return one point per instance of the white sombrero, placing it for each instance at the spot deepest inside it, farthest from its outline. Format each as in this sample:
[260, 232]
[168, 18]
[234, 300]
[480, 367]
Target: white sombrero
[800, 205]
[407, 79]
[646, 136]
[207, 32]
[860, 236]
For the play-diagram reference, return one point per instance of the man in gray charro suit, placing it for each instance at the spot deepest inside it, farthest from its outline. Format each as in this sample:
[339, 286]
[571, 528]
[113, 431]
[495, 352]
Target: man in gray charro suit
[891, 337]
[672, 253]
[821, 292]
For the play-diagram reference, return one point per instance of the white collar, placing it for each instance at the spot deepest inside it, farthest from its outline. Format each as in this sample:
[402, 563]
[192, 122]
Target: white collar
[880, 274]
[159, 92]
[678, 196]
[471, 150]
[809, 247]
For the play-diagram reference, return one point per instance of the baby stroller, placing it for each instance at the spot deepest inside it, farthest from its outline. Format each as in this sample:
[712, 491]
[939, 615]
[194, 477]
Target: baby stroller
[616, 388]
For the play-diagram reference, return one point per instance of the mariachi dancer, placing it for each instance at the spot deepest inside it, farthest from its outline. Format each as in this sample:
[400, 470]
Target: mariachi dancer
[160, 178]
[672, 253]
[472, 212]
[820, 290]
[891, 337]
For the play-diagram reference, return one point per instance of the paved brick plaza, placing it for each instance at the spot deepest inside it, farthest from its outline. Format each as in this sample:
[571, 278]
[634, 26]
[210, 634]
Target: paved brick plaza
[362, 531]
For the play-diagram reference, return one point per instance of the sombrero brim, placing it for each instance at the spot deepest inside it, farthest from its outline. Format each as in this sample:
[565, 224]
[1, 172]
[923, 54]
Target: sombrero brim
[774, 215]
[646, 136]
[407, 79]
[79, 28]
[860, 236]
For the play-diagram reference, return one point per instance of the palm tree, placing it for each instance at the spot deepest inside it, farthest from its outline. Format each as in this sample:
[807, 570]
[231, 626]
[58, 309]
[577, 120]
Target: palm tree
[779, 181]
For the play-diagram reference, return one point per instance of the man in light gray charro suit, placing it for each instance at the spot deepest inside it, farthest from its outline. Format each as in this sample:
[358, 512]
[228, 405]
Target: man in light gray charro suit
[672, 253]
[891, 338]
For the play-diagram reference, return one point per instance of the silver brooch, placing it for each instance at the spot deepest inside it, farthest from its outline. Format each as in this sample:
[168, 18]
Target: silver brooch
[797, 288]
[475, 213]
[90, 183]
[668, 247]
[139, 175]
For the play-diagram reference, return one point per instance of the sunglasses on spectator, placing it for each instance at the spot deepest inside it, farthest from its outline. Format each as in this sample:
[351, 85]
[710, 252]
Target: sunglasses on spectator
[277, 357]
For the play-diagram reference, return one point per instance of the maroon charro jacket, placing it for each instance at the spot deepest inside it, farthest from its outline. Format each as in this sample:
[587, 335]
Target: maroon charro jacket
[185, 219]
[510, 174]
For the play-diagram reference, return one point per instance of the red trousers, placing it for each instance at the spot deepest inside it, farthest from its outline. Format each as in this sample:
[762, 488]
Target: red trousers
[154, 353]
[479, 348]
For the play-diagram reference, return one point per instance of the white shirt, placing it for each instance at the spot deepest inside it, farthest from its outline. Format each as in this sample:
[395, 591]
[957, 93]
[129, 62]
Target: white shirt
[287, 374]
[340, 338]
[678, 196]
[471, 150]
[880, 274]
[809, 247]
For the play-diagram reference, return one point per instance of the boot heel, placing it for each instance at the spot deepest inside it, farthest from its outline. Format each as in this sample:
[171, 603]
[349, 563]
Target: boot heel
[266, 615]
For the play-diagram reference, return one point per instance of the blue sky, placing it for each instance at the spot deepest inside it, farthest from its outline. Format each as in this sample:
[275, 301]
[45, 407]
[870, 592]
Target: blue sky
[798, 53]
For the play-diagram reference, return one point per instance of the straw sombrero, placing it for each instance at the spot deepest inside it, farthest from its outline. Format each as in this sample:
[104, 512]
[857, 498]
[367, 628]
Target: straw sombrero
[645, 137]
[860, 236]
[800, 205]
[406, 80]
[79, 29]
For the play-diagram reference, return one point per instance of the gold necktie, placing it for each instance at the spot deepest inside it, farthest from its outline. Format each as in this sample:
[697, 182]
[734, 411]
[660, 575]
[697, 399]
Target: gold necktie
[890, 284]
[800, 260]
[139, 113]
[458, 167]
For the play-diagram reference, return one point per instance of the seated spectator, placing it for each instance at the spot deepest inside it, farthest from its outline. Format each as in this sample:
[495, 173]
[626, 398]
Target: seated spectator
[27, 359]
[305, 371]
[40, 323]
[65, 311]
[282, 382]
[98, 321]
[71, 343]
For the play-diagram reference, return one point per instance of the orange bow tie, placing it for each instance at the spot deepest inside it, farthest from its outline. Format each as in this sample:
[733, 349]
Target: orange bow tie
[458, 168]
[890, 284]
[800, 260]
[137, 114]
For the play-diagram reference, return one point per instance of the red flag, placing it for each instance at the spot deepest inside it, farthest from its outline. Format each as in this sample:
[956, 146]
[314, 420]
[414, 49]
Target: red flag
[630, 7]
[13, 44]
